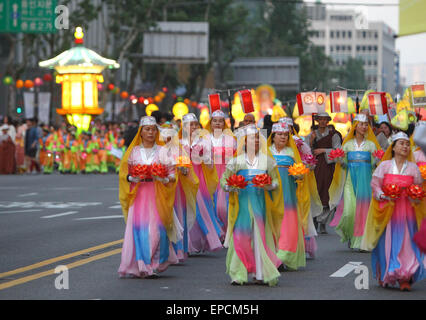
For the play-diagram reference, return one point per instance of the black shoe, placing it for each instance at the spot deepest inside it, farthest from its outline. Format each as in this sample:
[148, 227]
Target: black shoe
[281, 268]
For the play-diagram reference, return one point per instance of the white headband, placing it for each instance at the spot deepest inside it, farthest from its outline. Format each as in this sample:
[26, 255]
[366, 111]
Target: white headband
[218, 114]
[361, 117]
[147, 121]
[400, 136]
[286, 120]
[189, 117]
[280, 127]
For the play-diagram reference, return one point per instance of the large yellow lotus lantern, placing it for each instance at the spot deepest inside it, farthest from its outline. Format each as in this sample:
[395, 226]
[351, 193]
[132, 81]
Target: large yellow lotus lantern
[179, 110]
[79, 71]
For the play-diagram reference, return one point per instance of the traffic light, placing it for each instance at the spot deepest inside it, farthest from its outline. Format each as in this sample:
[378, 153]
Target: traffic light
[18, 110]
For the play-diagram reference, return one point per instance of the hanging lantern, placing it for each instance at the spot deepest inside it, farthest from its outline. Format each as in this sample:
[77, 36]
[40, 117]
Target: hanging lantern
[141, 100]
[28, 84]
[165, 89]
[157, 99]
[47, 77]
[179, 110]
[186, 101]
[8, 80]
[100, 86]
[111, 87]
[38, 82]
[124, 95]
[19, 84]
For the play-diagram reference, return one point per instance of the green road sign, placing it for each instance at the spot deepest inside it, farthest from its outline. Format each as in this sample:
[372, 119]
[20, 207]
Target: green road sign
[27, 16]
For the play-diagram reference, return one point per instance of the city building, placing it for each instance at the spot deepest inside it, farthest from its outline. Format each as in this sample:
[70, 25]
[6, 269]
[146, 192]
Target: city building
[344, 34]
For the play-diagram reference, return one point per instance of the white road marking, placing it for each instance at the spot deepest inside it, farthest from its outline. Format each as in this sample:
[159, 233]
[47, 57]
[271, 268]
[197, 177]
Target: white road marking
[28, 194]
[47, 205]
[60, 215]
[116, 207]
[100, 218]
[346, 269]
[18, 211]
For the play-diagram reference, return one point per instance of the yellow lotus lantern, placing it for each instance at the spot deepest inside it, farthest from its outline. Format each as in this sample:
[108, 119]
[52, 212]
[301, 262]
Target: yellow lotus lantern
[179, 110]
[79, 71]
[151, 108]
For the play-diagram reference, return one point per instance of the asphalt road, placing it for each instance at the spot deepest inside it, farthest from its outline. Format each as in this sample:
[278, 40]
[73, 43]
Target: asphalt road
[59, 216]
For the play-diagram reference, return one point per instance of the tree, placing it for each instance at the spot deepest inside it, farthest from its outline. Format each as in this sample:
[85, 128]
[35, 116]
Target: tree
[352, 74]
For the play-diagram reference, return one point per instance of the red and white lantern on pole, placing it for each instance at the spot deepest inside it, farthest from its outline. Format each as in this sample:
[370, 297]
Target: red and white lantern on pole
[339, 101]
[214, 102]
[377, 103]
[246, 101]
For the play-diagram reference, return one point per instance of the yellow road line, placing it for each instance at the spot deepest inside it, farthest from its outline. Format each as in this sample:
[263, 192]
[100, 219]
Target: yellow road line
[53, 260]
[52, 271]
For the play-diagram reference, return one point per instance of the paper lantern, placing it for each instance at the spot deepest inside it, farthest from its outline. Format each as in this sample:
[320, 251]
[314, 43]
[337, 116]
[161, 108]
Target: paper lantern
[311, 102]
[151, 108]
[377, 103]
[28, 84]
[141, 100]
[179, 110]
[214, 102]
[38, 82]
[19, 84]
[261, 180]
[335, 154]
[194, 104]
[339, 101]
[100, 86]
[246, 99]
[186, 101]
[150, 100]
[116, 90]
[165, 89]
[8, 80]
[157, 99]
[159, 170]
[124, 95]
[111, 87]
[47, 77]
[237, 181]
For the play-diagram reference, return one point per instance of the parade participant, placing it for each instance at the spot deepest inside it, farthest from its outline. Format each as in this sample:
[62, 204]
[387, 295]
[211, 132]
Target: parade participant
[223, 146]
[206, 232]
[186, 190]
[147, 206]
[295, 222]
[20, 147]
[309, 187]
[7, 151]
[322, 141]
[92, 150]
[248, 119]
[102, 140]
[73, 147]
[352, 178]
[253, 216]
[392, 221]
[46, 155]
[31, 141]
[83, 151]
[383, 134]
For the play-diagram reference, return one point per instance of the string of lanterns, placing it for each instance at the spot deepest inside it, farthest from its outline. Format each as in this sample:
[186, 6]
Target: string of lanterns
[179, 108]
